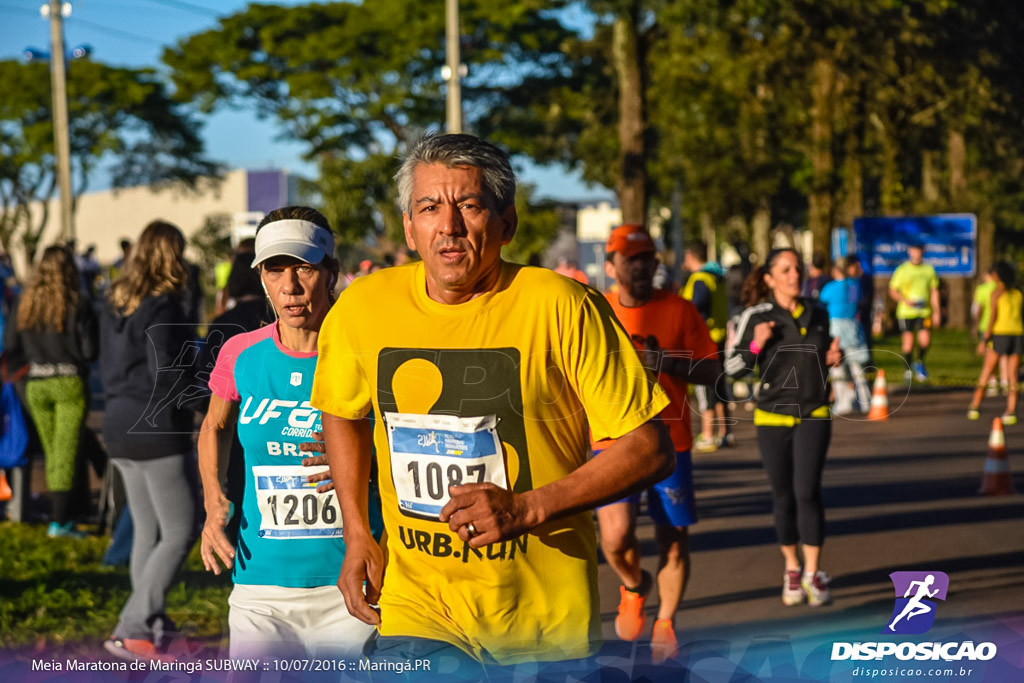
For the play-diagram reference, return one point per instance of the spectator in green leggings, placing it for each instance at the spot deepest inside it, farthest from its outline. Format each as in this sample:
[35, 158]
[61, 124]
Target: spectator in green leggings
[55, 329]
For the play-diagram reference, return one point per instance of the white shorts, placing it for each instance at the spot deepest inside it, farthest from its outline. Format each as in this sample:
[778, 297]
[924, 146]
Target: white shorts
[275, 621]
[851, 339]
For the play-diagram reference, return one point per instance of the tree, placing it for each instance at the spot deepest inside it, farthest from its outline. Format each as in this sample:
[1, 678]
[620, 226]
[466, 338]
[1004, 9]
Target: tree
[593, 117]
[212, 244]
[357, 84]
[118, 116]
[539, 223]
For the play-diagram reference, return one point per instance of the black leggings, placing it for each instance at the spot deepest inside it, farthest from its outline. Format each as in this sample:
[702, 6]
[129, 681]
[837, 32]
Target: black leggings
[794, 458]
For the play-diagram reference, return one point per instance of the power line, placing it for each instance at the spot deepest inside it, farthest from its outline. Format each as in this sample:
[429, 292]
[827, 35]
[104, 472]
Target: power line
[124, 35]
[188, 7]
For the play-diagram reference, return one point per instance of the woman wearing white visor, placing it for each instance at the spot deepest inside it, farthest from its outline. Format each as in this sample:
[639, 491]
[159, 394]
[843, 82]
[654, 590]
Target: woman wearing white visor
[290, 546]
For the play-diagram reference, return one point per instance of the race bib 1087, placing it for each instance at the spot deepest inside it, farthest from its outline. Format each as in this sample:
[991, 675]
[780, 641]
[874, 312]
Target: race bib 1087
[291, 508]
[429, 453]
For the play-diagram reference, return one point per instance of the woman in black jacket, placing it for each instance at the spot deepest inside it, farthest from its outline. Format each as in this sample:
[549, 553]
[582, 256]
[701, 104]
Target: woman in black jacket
[787, 337]
[54, 329]
[145, 341]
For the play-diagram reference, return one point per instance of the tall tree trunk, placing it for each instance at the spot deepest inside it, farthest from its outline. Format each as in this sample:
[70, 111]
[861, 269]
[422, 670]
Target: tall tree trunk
[930, 177]
[760, 229]
[707, 233]
[959, 299]
[957, 152]
[853, 187]
[819, 219]
[892, 184]
[627, 56]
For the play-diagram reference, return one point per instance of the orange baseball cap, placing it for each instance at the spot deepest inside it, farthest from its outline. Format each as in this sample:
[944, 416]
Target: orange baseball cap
[629, 240]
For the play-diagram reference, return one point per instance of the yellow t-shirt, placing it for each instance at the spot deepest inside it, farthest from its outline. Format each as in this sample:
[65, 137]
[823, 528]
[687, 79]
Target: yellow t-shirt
[543, 355]
[983, 299]
[1008, 313]
[719, 309]
[914, 283]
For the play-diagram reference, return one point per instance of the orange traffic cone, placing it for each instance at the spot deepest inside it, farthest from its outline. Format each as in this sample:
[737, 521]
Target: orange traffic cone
[5, 489]
[879, 399]
[996, 480]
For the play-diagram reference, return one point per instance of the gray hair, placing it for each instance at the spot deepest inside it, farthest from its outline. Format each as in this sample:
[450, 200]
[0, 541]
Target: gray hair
[499, 180]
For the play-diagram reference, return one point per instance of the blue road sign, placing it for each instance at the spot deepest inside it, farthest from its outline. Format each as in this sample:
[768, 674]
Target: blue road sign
[949, 242]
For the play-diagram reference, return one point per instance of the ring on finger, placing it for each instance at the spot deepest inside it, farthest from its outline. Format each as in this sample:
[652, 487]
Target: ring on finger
[471, 530]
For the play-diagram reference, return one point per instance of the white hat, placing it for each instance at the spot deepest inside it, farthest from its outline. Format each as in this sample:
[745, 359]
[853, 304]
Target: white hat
[304, 240]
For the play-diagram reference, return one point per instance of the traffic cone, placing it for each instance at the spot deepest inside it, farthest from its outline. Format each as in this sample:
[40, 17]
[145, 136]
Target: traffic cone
[996, 480]
[879, 399]
[5, 489]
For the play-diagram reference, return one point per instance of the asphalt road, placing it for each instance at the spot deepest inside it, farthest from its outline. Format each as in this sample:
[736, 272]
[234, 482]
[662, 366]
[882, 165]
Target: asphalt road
[900, 495]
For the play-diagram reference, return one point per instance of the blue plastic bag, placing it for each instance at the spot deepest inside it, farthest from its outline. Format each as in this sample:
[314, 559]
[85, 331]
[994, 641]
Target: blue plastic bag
[14, 439]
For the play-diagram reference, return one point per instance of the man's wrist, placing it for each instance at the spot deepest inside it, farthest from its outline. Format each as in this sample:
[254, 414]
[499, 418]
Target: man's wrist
[534, 512]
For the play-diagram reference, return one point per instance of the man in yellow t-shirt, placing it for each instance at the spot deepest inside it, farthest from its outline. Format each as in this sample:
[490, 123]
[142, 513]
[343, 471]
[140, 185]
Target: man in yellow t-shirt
[915, 288]
[483, 376]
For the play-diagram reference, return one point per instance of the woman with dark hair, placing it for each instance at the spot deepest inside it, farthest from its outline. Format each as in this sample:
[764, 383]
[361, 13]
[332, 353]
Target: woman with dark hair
[1004, 336]
[144, 331]
[54, 329]
[787, 338]
[288, 554]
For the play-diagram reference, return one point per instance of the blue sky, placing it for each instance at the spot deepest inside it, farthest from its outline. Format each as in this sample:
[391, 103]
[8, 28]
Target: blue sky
[134, 33]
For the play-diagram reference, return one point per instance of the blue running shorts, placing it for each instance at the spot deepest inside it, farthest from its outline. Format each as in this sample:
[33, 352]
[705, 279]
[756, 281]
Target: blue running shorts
[671, 501]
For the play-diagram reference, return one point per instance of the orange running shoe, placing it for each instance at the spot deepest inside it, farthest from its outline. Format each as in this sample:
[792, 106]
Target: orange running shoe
[629, 624]
[135, 649]
[663, 641]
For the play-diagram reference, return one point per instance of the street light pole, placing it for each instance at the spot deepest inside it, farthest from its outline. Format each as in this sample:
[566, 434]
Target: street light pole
[454, 68]
[61, 139]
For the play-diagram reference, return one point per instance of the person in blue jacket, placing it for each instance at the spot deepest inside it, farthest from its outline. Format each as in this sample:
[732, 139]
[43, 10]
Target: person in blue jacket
[841, 297]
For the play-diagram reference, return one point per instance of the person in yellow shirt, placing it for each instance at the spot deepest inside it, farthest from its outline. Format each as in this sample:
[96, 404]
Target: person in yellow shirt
[915, 288]
[706, 289]
[483, 376]
[981, 311]
[1004, 336]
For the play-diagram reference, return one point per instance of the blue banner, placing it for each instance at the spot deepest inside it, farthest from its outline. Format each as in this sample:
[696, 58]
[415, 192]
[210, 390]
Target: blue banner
[424, 441]
[949, 242]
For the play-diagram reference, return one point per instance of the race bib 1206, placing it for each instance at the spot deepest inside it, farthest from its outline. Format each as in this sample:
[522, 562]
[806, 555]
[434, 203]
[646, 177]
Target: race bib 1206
[429, 453]
[291, 508]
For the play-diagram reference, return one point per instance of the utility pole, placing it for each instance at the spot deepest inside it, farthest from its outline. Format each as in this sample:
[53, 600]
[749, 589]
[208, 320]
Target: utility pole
[453, 70]
[61, 140]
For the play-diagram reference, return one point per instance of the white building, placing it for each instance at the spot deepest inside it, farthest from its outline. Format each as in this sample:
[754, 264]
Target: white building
[105, 218]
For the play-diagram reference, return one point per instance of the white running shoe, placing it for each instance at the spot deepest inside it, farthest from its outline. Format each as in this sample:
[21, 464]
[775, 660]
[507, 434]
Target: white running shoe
[792, 591]
[816, 588]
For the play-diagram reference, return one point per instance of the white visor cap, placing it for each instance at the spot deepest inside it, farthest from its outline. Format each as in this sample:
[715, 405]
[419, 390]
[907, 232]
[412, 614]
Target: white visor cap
[303, 240]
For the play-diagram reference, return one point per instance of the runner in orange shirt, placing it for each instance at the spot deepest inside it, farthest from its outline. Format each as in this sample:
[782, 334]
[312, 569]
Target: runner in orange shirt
[675, 342]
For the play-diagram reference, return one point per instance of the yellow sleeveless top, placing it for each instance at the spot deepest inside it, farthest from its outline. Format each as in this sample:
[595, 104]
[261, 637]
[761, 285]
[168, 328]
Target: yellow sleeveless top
[1008, 313]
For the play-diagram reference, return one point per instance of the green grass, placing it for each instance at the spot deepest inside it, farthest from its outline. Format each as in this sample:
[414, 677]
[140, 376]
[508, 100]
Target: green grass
[54, 591]
[951, 361]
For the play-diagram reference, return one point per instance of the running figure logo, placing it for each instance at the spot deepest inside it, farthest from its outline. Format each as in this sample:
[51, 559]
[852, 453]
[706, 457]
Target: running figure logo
[428, 440]
[914, 613]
